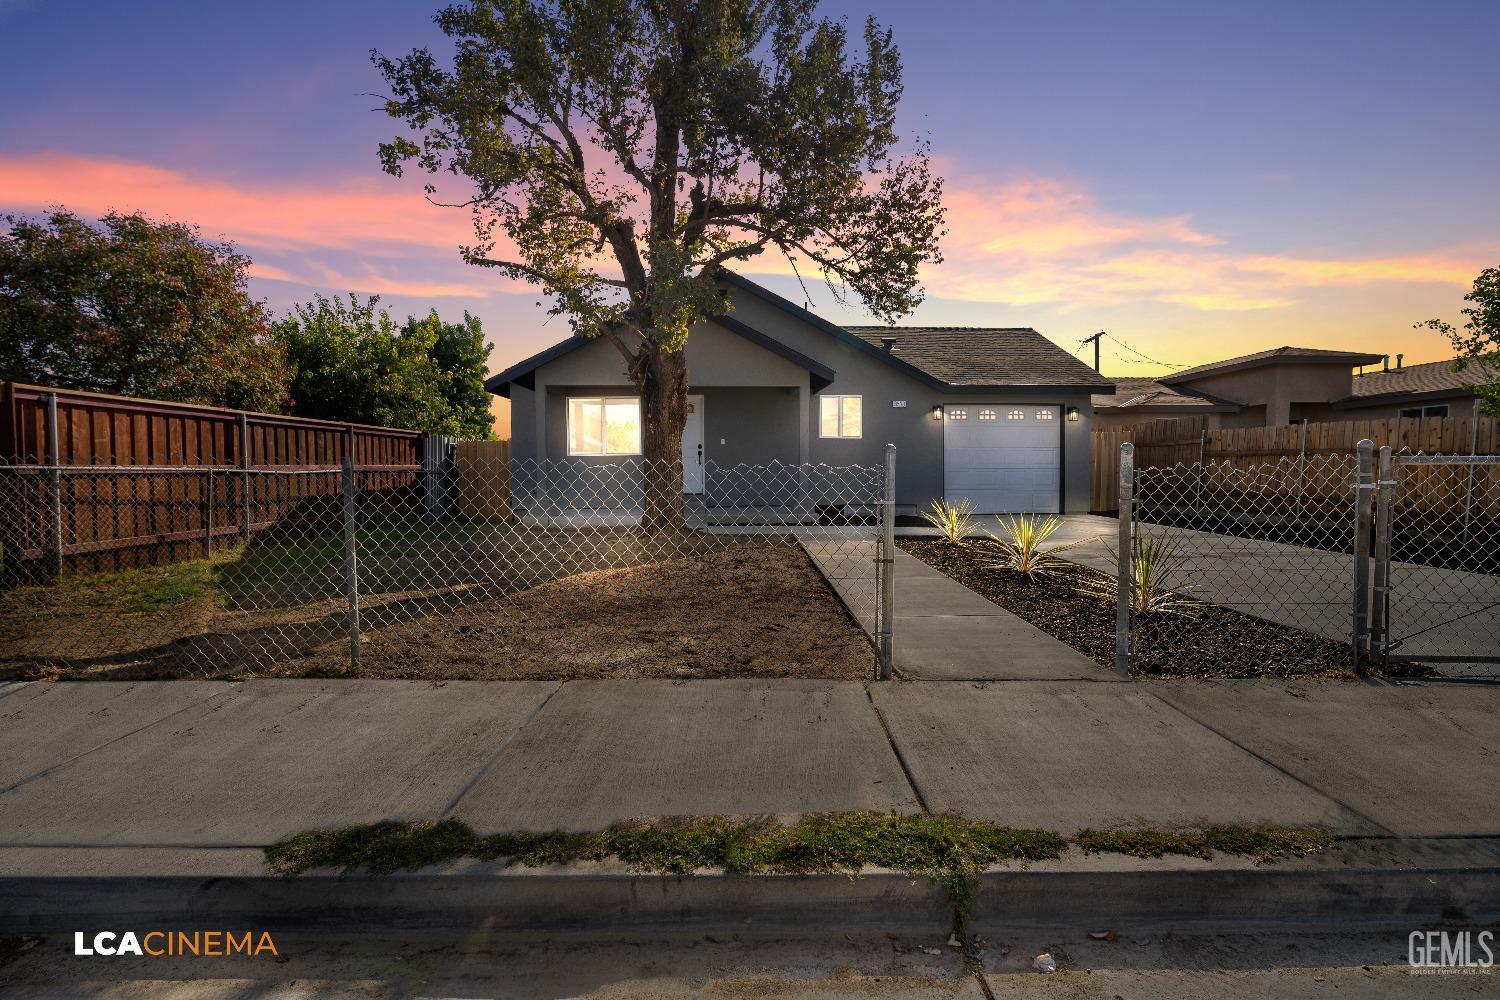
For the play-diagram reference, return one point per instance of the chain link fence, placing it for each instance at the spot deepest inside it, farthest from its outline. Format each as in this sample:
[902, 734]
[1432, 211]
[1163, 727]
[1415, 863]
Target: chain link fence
[514, 571]
[1309, 563]
[1242, 564]
[1437, 562]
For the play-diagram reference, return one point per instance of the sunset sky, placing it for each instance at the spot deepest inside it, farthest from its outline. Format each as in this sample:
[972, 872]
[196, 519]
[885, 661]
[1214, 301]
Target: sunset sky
[1198, 179]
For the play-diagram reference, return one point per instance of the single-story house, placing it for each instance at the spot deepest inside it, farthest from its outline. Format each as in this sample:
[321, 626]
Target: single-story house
[998, 415]
[1289, 384]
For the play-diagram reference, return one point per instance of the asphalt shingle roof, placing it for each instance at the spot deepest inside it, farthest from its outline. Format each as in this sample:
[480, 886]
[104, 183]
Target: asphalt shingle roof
[983, 356]
[1434, 376]
[1144, 392]
[1275, 354]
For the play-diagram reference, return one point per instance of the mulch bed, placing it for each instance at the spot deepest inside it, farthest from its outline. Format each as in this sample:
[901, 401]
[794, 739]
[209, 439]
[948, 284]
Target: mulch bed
[1210, 641]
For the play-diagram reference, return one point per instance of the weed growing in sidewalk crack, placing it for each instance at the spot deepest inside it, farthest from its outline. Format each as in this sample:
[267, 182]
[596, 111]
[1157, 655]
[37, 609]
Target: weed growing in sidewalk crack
[1263, 844]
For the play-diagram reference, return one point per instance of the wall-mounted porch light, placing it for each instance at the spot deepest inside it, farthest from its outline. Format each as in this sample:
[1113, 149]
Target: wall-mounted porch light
[937, 413]
[1073, 415]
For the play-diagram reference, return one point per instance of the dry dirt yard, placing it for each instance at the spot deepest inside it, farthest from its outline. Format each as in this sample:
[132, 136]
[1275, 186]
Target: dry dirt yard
[745, 610]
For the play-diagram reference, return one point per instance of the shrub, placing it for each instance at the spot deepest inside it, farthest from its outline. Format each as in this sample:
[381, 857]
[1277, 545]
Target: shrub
[955, 521]
[1155, 558]
[1024, 550]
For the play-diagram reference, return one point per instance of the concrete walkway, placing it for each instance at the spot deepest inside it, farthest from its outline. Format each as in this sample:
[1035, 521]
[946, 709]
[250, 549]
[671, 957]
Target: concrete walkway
[103, 774]
[945, 631]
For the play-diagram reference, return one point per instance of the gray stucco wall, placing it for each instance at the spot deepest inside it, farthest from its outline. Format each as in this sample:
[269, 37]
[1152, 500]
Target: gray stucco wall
[718, 360]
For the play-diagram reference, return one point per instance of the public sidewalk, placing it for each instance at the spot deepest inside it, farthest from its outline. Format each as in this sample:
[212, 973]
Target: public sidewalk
[93, 774]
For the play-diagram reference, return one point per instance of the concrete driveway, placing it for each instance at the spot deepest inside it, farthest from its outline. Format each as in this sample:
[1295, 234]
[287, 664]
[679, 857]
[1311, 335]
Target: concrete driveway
[1433, 611]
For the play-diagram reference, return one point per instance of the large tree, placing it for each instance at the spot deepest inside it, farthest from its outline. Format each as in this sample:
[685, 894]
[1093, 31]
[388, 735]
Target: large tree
[626, 150]
[136, 307]
[351, 361]
[1478, 342]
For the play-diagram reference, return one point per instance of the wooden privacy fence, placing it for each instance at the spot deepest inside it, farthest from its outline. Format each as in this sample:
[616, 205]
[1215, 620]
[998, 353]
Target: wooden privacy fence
[483, 480]
[1188, 440]
[93, 481]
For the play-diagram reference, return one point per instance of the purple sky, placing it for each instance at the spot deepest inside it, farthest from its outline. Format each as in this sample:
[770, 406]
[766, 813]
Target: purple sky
[1197, 179]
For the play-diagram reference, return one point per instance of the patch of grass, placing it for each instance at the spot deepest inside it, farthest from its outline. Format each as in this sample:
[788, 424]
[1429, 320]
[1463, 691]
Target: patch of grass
[1263, 844]
[947, 849]
[840, 842]
[186, 582]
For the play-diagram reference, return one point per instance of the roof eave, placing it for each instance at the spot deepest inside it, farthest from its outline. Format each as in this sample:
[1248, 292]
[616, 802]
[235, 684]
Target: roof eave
[1350, 360]
[1401, 396]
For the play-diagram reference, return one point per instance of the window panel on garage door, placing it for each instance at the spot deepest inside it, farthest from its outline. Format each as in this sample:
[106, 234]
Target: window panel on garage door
[1006, 465]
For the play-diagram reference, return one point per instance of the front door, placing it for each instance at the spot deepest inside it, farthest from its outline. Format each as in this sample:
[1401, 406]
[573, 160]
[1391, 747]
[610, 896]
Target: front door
[692, 447]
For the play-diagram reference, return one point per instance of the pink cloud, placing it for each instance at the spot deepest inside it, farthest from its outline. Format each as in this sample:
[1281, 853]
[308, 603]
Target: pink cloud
[362, 213]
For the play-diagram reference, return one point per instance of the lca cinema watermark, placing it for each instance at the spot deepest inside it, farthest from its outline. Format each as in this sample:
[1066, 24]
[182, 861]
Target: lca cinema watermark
[175, 944]
[1450, 952]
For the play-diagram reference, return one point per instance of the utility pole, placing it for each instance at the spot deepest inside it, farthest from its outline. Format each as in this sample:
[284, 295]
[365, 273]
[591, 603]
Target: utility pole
[1095, 339]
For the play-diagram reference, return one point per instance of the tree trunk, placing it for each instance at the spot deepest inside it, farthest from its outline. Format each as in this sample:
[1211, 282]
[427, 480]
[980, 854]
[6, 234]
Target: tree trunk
[662, 379]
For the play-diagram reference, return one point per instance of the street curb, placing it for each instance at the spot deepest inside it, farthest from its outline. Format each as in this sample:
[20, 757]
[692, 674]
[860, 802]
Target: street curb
[479, 896]
[1359, 884]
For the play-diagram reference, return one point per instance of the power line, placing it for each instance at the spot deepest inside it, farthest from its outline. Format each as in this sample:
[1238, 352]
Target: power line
[1144, 358]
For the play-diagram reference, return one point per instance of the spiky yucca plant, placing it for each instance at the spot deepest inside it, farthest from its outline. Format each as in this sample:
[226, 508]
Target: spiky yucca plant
[1023, 549]
[1155, 557]
[955, 521]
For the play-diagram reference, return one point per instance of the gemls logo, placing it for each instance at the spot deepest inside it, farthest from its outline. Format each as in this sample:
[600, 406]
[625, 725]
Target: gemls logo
[1458, 951]
[158, 944]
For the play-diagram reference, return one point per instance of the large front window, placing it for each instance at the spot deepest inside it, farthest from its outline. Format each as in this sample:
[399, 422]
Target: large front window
[604, 425]
[839, 417]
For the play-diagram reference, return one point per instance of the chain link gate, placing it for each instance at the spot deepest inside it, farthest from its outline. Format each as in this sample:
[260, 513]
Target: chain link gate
[1437, 563]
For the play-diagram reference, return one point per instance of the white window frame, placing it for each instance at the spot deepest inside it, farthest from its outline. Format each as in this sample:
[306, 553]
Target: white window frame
[840, 397]
[1422, 411]
[604, 404]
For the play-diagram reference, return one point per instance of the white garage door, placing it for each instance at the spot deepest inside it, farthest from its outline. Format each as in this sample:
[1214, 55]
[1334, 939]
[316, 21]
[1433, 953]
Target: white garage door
[1003, 458]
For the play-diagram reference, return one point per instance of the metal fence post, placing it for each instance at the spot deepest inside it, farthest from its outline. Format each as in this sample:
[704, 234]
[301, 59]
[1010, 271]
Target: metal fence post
[208, 512]
[54, 487]
[1363, 501]
[1125, 582]
[244, 424]
[1469, 485]
[1380, 606]
[885, 566]
[351, 564]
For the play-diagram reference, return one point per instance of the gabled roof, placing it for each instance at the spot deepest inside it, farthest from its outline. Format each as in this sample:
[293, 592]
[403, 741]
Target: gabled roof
[524, 372]
[969, 357]
[868, 343]
[1277, 355]
[1435, 378]
[1149, 394]
[949, 359]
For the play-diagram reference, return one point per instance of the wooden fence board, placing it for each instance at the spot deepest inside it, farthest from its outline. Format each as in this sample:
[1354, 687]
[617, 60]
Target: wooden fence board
[1162, 443]
[484, 480]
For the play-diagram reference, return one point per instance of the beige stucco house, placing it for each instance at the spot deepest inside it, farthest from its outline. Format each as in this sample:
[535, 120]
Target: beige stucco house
[1288, 384]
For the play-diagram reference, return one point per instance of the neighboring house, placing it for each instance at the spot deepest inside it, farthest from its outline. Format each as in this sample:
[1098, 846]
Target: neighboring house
[999, 415]
[1429, 390]
[1288, 384]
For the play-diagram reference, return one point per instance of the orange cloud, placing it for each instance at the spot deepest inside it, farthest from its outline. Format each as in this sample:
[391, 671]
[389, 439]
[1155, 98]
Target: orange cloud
[1037, 240]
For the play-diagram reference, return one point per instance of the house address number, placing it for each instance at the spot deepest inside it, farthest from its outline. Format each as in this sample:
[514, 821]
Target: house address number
[898, 404]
